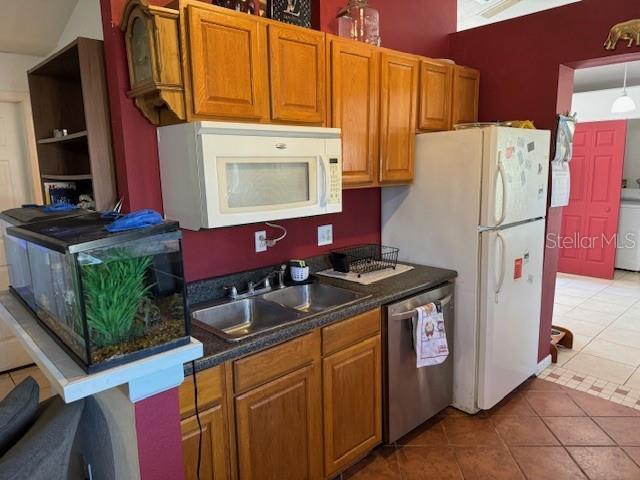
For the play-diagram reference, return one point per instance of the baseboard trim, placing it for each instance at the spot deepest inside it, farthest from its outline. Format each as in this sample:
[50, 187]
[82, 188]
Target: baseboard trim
[543, 364]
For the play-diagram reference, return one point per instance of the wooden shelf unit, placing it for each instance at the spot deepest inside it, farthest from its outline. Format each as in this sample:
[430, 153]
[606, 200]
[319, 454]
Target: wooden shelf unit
[69, 91]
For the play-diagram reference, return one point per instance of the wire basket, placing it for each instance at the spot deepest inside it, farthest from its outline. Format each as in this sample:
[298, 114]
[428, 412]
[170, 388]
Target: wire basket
[364, 259]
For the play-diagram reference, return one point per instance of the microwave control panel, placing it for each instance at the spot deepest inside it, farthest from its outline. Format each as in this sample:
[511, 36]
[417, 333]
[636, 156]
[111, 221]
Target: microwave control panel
[335, 181]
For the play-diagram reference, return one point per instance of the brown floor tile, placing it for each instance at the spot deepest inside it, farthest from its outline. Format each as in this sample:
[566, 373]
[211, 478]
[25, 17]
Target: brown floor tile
[605, 463]
[623, 430]
[452, 412]
[514, 405]
[45, 386]
[634, 453]
[539, 385]
[429, 433]
[6, 385]
[470, 431]
[546, 463]
[428, 463]
[381, 464]
[577, 431]
[599, 407]
[553, 404]
[487, 463]
[524, 431]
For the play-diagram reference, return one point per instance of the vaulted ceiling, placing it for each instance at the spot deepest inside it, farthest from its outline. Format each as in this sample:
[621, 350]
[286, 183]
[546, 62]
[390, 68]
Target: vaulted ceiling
[475, 13]
[33, 27]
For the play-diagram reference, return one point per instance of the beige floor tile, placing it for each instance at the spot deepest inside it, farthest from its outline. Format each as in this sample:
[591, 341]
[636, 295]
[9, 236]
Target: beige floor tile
[567, 300]
[627, 321]
[559, 309]
[621, 336]
[580, 341]
[611, 297]
[600, 367]
[579, 326]
[624, 290]
[6, 385]
[585, 315]
[45, 385]
[612, 351]
[604, 307]
[564, 356]
[634, 380]
[574, 291]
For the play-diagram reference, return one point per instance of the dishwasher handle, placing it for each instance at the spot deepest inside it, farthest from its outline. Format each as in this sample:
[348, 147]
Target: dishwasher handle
[412, 313]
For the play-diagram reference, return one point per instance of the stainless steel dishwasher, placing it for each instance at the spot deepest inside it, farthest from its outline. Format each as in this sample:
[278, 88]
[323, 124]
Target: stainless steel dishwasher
[413, 395]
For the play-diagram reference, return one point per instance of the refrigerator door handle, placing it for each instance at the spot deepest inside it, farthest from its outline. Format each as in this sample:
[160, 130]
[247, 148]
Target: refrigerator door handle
[501, 172]
[500, 280]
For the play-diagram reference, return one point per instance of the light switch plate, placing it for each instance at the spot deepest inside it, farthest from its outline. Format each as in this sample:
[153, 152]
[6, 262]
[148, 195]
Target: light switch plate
[261, 244]
[325, 235]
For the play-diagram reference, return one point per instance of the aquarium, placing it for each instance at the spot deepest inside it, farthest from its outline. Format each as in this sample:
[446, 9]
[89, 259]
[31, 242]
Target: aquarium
[107, 298]
[16, 248]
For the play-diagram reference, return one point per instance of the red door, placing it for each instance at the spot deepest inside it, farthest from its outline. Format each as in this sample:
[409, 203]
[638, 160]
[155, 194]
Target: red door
[590, 221]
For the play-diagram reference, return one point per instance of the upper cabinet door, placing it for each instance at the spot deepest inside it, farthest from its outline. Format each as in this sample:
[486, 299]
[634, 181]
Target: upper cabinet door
[436, 83]
[297, 67]
[398, 116]
[355, 94]
[228, 65]
[466, 86]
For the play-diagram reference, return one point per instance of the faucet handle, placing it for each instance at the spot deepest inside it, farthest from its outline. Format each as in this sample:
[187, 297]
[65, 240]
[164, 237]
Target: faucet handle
[232, 291]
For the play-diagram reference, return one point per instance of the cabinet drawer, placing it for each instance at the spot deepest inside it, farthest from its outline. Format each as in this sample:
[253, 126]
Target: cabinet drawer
[210, 390]
[249, 372]
[340, 335]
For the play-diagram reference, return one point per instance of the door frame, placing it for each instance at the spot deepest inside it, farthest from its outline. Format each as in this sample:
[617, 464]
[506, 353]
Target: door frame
[33, 168]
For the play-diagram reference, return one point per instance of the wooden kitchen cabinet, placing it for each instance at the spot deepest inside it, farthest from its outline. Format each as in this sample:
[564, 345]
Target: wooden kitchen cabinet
[354, 79]
[398, 116]
[436, 88]
[213, 453]
[215, 463]
[279, 428]
[297, 75]
[227, 64]
[352, 399]
[466, 87]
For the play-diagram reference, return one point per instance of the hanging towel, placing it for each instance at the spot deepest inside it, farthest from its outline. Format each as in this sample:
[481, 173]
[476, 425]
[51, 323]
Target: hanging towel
[430, 337]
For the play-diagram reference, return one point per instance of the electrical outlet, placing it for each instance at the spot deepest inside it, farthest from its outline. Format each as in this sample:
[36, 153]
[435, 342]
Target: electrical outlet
[325, 235]
[261, 244]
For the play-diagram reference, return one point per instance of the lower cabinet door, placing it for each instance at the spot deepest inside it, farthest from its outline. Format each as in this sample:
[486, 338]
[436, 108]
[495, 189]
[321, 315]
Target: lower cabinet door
[279, 428]
[352, 404]
[213, 452]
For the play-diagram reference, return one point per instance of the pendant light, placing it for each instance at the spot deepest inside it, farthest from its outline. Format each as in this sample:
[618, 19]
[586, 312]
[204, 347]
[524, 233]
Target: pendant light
[624, 103]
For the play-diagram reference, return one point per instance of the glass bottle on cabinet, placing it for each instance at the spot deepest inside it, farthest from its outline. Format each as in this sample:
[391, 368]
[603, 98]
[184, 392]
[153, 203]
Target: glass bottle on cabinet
[359, 21]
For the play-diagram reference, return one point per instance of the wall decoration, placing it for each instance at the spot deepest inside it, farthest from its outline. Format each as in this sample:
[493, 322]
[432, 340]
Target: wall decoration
[627, 31]
[296, 12]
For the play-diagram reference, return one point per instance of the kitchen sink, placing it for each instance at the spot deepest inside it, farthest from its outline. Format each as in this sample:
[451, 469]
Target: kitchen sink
[312, 298]
[235, 321]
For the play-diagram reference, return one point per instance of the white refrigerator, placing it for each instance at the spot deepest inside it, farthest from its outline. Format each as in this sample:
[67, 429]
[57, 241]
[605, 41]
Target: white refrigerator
[477, 205]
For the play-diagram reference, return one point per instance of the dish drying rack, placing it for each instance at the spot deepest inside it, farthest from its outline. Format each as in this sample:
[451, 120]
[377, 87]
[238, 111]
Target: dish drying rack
[364, 259]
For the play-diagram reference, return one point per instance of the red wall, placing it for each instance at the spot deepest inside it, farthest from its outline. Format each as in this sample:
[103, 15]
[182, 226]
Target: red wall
[419, 26]
[522, 77]
[414, 26]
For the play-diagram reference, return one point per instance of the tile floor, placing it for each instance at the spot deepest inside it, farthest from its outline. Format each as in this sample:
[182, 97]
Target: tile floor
[604, 316]
[542, 431]
[9, 380]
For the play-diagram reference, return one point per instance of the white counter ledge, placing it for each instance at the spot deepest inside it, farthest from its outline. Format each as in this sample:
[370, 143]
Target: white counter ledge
[142, 378]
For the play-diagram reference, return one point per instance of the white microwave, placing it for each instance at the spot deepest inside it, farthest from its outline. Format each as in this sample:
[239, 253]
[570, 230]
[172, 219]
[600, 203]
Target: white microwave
[221, 174]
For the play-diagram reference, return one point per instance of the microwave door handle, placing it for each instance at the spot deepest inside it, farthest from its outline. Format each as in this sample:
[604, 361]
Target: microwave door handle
[323, 170]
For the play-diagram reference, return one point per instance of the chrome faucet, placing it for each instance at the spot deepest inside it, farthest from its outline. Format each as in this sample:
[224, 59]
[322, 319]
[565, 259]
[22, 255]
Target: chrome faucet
[261, 286]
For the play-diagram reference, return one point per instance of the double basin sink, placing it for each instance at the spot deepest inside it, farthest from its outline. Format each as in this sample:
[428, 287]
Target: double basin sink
[240, 319]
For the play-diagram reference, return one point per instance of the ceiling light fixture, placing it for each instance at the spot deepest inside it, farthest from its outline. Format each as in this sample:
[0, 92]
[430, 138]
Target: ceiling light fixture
[624, 103]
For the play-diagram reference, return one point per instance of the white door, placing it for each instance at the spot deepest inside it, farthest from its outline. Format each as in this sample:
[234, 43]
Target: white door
[515, 175]
[509, 309]
[14, 191]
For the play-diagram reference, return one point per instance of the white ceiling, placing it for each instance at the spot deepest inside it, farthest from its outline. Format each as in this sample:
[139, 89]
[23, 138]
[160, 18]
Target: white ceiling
[33, 27]
[608, 76]
[470, 11]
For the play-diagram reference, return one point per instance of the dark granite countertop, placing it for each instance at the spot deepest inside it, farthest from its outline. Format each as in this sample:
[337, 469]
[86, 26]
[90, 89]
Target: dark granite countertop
[217, 351]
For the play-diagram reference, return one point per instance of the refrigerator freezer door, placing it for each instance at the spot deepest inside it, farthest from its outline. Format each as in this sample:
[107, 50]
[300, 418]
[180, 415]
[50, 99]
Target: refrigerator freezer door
[509, 309]
[515, 175]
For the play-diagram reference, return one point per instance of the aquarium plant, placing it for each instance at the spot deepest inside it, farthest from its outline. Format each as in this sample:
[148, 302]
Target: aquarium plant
[113, 291]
